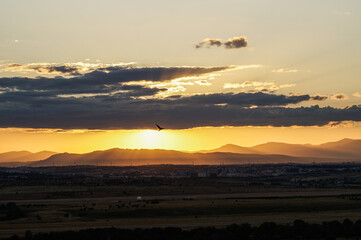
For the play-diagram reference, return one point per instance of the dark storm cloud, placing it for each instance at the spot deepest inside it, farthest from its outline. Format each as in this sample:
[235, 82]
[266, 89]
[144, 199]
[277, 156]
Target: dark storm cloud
[122, 111]
[105, 77]
[126, 92]
[98, 113]
[72, 96]
[111, 98]
[149, 74]
[233, 43]
[239, 99]
[56, 69]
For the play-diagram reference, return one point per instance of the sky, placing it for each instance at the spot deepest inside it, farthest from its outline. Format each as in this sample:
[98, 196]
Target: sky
[80, 75]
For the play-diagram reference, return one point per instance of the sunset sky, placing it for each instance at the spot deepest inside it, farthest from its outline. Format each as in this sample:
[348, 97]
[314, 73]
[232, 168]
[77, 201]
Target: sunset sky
[80, 75]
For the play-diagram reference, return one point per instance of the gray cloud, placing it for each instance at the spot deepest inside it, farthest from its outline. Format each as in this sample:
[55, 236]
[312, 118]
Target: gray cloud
[122, 111]
[236, 42]
[12, 65]
[240, 99]
[66, 69]
[209, 43]
[105, 79]
[119, 113]
[233, 43]
[319, 97]
[56, 69]
[127, 93]
[110, 98]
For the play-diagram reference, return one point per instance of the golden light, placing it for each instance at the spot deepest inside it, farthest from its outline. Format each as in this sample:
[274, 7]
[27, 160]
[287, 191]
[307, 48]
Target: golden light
[151, 139]
[82, 141]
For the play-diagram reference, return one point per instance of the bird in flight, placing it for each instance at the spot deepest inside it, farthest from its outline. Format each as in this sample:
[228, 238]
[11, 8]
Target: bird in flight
[159, 127]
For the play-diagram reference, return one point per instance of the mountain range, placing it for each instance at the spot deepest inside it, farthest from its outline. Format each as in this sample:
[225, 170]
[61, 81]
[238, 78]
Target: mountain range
[24, 156]
[345, 150]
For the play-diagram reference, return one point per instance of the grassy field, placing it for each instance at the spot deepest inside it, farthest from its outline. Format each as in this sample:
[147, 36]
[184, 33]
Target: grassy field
[179, 211]
[186, 203]
[78, 191]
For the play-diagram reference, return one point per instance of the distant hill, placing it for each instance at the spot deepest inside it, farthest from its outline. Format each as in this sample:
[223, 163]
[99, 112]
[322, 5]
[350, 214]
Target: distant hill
[127, 157]
[24, 156]
[346, 148]
[233, 149]
[299, 150]
[118, 157]
[344, 145]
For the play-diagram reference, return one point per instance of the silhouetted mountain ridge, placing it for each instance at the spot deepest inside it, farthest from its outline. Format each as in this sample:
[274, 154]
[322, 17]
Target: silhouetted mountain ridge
[24, 156]
[233, 149]
[345, 150]
[126, 157]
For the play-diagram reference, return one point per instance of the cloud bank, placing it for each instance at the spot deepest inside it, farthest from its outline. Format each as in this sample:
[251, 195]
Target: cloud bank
[118, 113]
[116, 97]
[236, 99]
[105, 79]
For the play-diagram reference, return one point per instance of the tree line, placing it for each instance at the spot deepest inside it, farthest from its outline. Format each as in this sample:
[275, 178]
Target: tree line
[267, 231]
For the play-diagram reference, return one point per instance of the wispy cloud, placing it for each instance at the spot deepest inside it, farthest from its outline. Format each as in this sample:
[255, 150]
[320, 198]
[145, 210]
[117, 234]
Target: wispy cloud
[59, 69]
[203, 83]
[283, 70]
[247, 84]
[258, 86]
[357, 94]
[339, 96]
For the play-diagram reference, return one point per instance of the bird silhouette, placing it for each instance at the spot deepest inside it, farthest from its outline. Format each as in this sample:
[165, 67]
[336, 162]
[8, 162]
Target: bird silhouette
[159, 127]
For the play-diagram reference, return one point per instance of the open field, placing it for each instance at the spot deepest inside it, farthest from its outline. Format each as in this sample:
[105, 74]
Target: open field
[58, 199]
[189, 211]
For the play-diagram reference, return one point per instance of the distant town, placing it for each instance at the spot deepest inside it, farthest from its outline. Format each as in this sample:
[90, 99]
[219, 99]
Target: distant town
[343, 175]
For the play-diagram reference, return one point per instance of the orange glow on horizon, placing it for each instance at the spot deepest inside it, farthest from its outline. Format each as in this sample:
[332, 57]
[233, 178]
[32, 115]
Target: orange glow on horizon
[82, 141]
